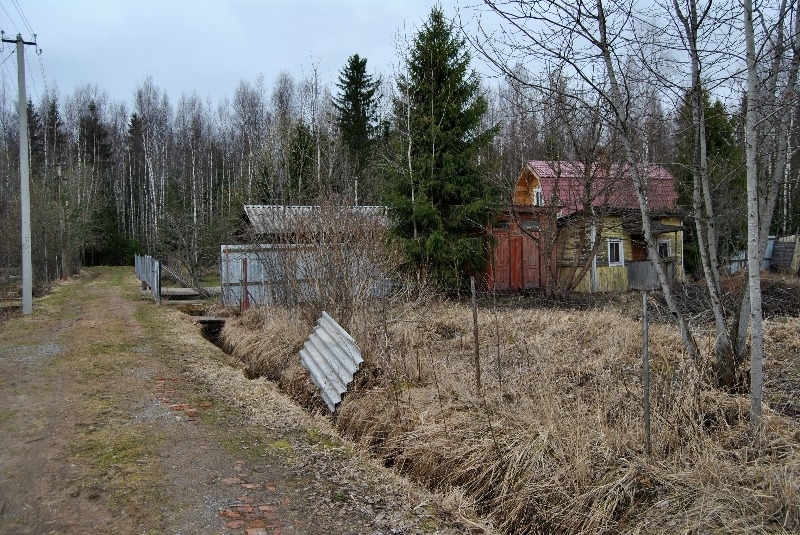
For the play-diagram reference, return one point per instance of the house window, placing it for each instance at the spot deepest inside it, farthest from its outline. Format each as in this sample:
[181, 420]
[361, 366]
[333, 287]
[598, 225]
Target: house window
[616, 256]
[538, 197]
[664, 249]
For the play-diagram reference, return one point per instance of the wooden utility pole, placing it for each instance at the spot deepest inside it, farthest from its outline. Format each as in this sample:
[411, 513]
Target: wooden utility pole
[24, 176]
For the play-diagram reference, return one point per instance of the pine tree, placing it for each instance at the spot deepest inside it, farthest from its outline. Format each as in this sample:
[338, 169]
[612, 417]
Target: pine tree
[357, 113]
[440, 195]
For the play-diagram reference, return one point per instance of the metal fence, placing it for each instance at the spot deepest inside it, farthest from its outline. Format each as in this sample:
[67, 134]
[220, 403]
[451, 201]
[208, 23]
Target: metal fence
[148, 271]
[268, 274]
[642, 275]
[253, 275]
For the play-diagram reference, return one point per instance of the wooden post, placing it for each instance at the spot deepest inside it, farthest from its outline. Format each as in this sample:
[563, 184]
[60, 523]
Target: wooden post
[646, 374]
[475, 333]
[245, 295]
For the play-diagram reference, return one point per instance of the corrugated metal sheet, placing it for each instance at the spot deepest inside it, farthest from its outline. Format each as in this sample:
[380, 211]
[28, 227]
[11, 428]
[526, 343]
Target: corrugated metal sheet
[332, 358]
[281, 219]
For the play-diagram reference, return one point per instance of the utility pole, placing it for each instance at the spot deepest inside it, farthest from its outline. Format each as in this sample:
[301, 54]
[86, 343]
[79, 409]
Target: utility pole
[24, 176]
[62, 225]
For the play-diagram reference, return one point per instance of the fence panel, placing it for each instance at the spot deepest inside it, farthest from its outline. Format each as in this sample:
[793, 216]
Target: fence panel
[148, 271]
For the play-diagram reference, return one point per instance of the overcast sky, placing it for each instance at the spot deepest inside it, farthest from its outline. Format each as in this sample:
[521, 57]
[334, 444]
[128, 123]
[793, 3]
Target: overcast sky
[202, 45]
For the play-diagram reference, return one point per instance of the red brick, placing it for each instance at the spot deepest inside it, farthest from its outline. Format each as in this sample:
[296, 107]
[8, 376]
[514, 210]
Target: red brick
[256, 531]
[191, 413]
[245, 508]
[229, 513]
[251, 486]
[236, 524]
[257, 523]
[267, 508]
[244, 499]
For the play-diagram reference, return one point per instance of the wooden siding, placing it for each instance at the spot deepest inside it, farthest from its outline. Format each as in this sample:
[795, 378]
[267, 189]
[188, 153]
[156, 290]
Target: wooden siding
[523, 192]
[517, 262]
[614, 278]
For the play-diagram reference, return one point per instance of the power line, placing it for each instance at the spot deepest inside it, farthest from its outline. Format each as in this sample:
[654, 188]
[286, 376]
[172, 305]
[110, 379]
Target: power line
[24, 18]
[8, 56]
[7, 71]
[41, 67]
[35, 89]
[10, 18]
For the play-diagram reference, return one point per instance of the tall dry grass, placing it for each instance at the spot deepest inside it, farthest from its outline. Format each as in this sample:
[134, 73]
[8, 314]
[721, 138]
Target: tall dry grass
[553, 443]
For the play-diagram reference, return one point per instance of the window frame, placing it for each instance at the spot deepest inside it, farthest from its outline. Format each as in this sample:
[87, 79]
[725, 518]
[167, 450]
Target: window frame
[620, 251]
[668, 243]
[538, 197]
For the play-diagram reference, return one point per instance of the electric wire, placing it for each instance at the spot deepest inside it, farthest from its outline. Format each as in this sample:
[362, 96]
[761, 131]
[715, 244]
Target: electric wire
[8, 56]
[11, 19]
[33, 81]
[21, 12]
[24, 18]
[41, 67]
[10, 77]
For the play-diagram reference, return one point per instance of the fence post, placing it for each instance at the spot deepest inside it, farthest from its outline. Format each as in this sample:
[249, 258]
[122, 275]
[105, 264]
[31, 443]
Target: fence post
[646, 372]
[245, 293]
[157, 281]
[475, 333]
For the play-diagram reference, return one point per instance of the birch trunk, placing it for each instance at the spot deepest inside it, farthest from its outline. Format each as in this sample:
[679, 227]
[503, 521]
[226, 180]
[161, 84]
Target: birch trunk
[702, 205]
[618, 103]
[753, 257]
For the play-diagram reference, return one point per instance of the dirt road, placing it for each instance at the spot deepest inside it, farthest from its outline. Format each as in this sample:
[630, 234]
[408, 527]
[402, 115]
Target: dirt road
[116, 416]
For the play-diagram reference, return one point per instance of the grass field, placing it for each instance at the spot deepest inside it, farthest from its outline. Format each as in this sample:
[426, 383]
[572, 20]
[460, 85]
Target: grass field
[553, 441]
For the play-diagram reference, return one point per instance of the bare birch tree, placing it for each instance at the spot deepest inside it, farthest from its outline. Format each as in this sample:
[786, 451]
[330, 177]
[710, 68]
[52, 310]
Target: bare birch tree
[589, 41]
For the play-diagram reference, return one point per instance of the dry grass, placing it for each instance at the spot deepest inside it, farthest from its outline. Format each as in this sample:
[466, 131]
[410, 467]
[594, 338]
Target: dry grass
[554, 441]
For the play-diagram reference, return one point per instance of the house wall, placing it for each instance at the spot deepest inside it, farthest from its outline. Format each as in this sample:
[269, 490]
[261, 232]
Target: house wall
[523, 192]
[613, 278]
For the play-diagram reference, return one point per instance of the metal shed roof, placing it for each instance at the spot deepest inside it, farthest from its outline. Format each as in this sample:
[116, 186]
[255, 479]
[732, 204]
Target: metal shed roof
[281, 219]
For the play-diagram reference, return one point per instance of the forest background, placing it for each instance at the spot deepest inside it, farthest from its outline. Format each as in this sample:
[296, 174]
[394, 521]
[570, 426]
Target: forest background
[170, 178]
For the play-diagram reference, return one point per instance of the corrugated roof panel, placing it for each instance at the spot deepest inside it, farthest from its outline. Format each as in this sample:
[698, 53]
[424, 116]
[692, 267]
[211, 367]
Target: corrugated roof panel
[332, 358]
[280, 219]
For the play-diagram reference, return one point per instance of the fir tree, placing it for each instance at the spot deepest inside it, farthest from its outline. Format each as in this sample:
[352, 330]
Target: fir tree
[357, 113]
[440, 195]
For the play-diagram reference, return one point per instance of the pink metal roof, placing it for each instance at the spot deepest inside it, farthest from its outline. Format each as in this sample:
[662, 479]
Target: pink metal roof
[565, 184]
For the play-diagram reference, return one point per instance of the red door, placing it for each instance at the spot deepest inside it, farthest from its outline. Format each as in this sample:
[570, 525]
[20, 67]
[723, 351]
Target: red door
[515, 282]
[531, 265]
[501, 261]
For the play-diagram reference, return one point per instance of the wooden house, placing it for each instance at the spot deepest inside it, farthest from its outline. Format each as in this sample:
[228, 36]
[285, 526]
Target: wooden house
[586, 221]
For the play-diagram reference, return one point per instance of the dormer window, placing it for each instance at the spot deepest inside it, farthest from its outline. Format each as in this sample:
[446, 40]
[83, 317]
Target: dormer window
[538, 197]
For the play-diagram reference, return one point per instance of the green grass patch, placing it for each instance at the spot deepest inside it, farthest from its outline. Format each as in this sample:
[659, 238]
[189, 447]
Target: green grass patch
[323, 440]
[255, 449]
[120, 466]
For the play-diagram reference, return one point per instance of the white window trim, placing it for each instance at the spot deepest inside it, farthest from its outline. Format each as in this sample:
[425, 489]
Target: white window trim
[621, 252]
[538, 197]
[669, 247]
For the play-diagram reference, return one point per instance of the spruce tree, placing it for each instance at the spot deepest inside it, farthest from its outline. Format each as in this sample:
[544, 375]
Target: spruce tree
[439, 194]
[357, 113]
